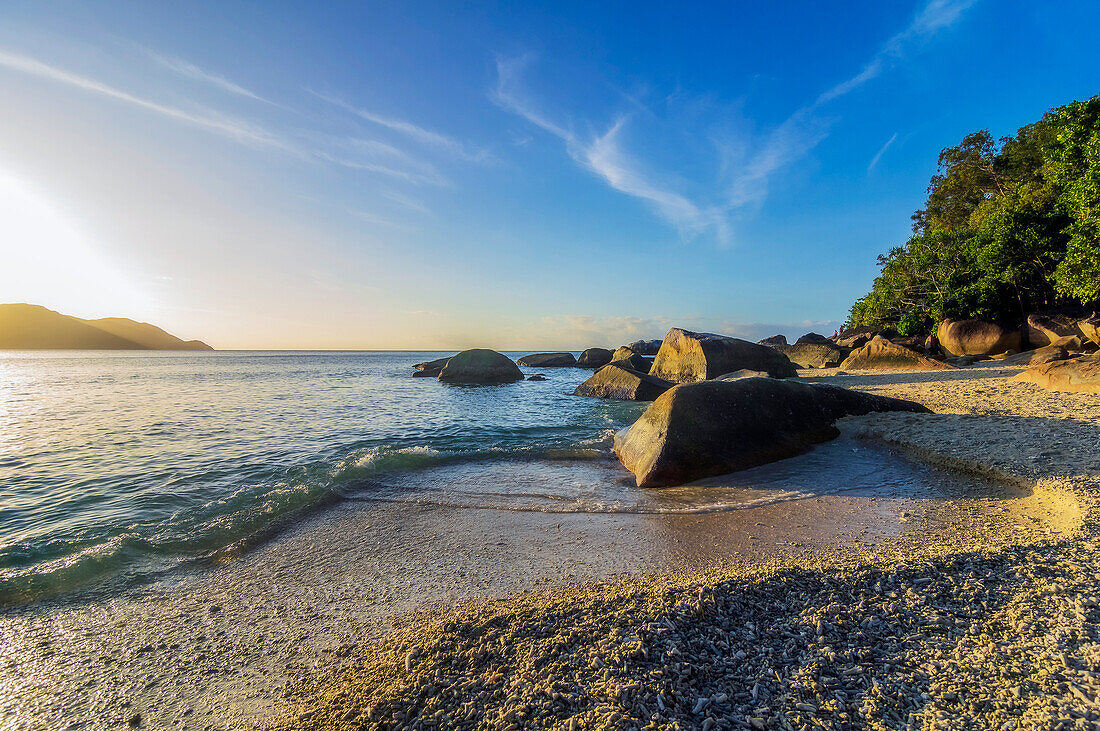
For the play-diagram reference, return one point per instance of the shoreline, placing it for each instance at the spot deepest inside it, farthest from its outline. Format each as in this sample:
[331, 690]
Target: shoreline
[587, 655]
[272, 634]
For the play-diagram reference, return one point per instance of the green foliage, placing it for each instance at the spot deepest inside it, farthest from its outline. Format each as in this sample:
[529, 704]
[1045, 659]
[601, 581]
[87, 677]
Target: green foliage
[1009, 227]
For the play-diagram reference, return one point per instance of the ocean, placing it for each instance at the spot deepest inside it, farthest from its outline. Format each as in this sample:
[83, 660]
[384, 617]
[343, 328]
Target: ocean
[119, 466]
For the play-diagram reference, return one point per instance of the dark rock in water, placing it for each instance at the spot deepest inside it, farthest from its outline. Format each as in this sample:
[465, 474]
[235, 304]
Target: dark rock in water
[698, 430]
[480, 366]
[616, 381]
[881, 354]
[431, 368]
[743, 373]
[537, 377]
[976, 337]
[687, 356]
[548, 360]
[774, 340]
[1043, 330]
[645, 347]
[813, 355]
[812, 338]
[1080, 375]
[594, 358]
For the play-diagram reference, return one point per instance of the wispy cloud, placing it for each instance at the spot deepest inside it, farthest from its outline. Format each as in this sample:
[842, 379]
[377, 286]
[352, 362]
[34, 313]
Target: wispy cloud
[881, 151]
[237, 129]
[933, 17]
[413, 131]
[355, 154]
[189, 70]
[605, 154]
[747, 163]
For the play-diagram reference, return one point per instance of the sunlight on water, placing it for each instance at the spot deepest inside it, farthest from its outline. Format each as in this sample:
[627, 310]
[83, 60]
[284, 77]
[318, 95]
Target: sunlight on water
[116, 462]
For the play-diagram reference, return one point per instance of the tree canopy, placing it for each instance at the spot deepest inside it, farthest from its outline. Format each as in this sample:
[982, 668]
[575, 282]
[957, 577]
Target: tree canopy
[1010, 227]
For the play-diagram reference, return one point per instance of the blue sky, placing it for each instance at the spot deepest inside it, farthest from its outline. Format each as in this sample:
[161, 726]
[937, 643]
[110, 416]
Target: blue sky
[430, 175]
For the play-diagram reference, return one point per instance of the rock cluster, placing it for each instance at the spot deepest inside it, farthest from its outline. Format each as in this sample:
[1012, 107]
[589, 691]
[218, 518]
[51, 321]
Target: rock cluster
[880, 353]
[687, 356]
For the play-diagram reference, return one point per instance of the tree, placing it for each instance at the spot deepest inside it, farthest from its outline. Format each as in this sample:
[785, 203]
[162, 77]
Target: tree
[1008, 228]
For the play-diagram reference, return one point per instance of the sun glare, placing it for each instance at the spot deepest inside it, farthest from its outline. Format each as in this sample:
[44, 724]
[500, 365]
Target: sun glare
[46, 259]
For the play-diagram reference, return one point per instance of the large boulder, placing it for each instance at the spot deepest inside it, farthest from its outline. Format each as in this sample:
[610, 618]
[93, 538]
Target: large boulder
[881, 354]
[431, 368]
[594, 358]
[629, 359]
[697, 430]
[813, 355]
[616, 381]
[812, 338]
[774, 340]
[1077, 375]
[645, 347]
[548, 360]
[976, 337]
[1043, 330]
[480, 366]
[1090, 328]
[687, 356]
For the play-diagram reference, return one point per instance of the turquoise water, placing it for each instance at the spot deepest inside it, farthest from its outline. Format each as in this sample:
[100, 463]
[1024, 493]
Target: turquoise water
[124, 463]
[117, 467]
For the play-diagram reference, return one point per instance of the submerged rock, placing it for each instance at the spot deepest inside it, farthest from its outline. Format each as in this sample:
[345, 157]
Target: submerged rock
[616, 381]
[976, 337]
[594, 358]
[813, 355]
[1077, 375]
[698, 430]
[687, 356]
[431, 368]
[881, 354]
[480, 365]
[548, 360]
[537, 377]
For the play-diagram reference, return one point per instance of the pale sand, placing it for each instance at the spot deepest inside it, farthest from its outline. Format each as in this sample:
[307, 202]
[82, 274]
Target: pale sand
[984, 618]
[216, 649]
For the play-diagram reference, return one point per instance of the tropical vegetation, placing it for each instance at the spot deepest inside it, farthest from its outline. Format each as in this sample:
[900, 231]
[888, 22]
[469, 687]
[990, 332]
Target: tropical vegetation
[1010, 227]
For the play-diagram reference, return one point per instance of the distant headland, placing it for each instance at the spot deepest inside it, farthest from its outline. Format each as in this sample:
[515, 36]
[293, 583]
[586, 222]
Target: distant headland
[33, 327]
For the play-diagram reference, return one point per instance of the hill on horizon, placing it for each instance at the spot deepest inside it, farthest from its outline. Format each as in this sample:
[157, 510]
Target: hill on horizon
[34, 327]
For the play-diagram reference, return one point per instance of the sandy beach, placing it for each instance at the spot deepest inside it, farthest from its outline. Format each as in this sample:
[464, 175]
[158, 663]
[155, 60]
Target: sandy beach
[274, 631]
[982, 613]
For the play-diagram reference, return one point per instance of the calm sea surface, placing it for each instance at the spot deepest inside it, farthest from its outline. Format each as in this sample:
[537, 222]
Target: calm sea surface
[116, 466]
[126, 462]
